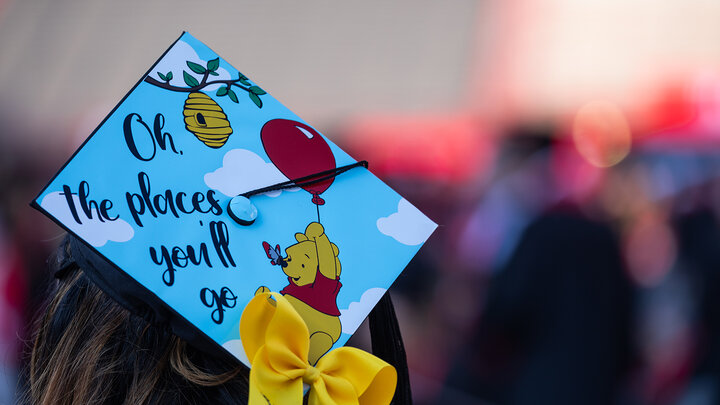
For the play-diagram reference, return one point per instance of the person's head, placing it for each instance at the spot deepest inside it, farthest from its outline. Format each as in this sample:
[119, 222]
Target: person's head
[90, 349]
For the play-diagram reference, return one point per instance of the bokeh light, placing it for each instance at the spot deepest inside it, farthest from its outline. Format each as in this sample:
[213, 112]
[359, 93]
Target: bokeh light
[601, 133]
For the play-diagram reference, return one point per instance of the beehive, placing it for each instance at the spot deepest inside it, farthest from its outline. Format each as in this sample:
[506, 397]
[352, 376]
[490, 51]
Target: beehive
[206, 120]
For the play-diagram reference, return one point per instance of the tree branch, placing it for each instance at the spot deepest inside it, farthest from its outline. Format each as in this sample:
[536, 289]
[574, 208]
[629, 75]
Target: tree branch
[203, 84]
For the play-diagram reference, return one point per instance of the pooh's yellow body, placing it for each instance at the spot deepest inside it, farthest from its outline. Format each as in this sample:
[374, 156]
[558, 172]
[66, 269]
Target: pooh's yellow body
[313, 270]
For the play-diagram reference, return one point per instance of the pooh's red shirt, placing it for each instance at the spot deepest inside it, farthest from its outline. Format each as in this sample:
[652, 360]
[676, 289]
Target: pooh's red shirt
[320, 295]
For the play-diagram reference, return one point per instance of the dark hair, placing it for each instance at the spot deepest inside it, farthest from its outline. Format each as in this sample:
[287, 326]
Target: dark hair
[89, 349]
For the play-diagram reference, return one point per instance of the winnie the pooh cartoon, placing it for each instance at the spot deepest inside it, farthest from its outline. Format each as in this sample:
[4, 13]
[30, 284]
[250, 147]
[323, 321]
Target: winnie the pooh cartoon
[313, 269]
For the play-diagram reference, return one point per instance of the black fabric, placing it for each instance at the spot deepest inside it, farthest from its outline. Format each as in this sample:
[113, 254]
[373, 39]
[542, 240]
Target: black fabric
[130, 294]
[387, 344]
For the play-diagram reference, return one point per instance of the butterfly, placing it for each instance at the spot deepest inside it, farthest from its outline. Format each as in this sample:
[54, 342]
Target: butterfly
[274, 255]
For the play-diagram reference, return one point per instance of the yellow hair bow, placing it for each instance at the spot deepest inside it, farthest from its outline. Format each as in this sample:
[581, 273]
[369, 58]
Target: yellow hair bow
[276, 340]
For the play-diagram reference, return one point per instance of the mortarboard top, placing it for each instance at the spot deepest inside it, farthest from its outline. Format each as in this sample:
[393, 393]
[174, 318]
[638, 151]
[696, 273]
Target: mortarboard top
[150, 189]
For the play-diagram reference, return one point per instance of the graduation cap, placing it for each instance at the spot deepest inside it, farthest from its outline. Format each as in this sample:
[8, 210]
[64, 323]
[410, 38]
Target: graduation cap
[200, 190]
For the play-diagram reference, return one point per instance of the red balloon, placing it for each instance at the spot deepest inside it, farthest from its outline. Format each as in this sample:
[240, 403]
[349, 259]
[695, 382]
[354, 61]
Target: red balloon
[297, 150]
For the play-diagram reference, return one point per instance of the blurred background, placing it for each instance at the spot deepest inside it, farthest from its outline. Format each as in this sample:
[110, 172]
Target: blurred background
[569, 150]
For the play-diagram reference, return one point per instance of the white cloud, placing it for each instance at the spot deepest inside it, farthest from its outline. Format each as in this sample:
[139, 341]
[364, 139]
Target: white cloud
[352, 317]
[175, 61]
[235, 347]
[243, 171]
[93, 231]
[408, 225]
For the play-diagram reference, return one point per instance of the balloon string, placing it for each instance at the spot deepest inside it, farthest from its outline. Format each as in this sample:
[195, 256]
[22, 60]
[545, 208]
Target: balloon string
[318, 212]
[307, 180]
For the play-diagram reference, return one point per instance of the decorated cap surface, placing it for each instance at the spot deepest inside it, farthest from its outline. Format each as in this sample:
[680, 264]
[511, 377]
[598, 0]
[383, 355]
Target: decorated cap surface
[150, 190]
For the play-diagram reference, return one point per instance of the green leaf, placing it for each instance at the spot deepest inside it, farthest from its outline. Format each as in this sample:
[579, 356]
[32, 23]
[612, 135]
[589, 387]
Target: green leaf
[243, 79]
[222, 91]
[212, 65]
[214, 73]
[255, 99]
[168, 76]
[232, 95]
[195, 67]
[257, 90]
[189, 80]
[162, 76]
